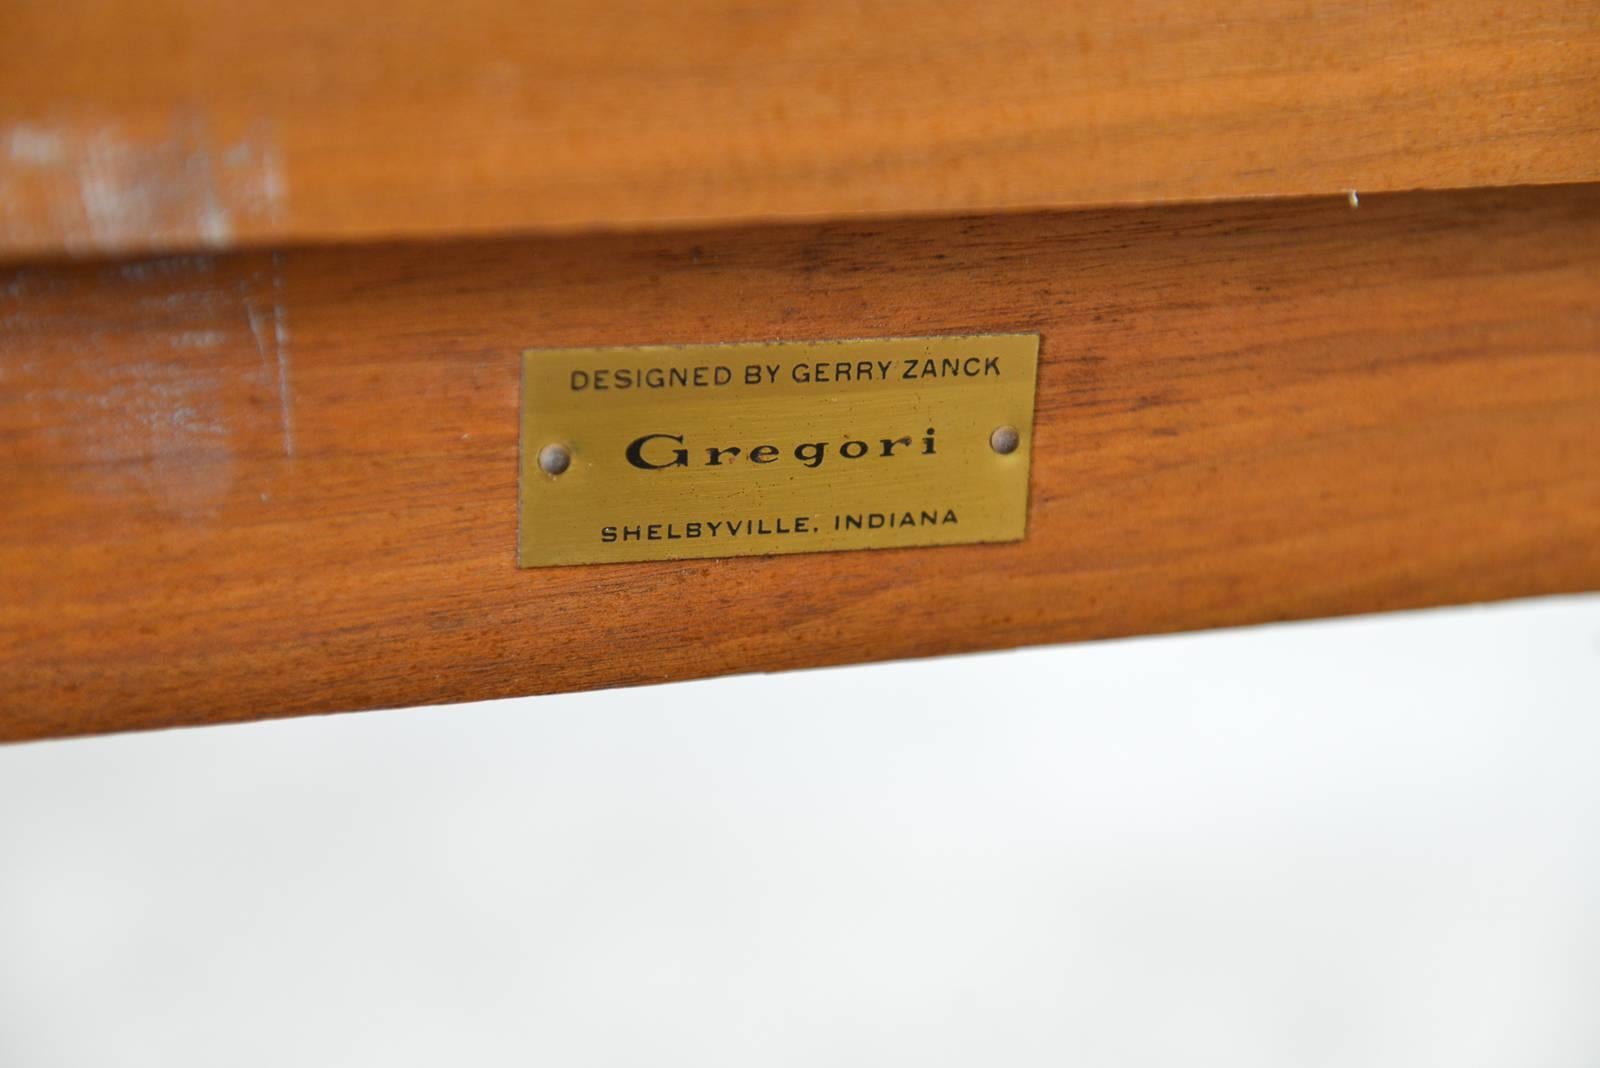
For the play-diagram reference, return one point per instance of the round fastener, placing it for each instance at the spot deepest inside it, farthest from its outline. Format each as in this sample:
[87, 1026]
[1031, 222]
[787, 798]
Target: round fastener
[554, 459]
[1005, 440]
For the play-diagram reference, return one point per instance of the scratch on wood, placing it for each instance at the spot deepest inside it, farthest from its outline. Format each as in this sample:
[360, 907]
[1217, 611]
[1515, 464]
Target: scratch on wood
[258, 331]
[275, 365]
[280, 334]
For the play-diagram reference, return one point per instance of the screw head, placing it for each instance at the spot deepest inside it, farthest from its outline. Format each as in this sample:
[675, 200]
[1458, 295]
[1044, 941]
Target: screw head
[1005, 440]
[554, 459]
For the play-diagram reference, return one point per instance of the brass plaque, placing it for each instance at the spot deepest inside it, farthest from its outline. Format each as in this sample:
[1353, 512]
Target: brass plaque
[667, 453]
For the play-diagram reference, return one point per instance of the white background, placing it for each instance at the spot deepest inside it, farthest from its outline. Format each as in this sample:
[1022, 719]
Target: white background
[1368, 842]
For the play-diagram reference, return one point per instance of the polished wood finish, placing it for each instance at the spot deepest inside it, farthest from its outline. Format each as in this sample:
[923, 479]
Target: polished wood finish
[191, 123]
[270, 484]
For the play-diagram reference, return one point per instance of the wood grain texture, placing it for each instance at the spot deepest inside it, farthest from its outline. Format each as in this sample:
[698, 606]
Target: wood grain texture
[270, 484]
[188, 123]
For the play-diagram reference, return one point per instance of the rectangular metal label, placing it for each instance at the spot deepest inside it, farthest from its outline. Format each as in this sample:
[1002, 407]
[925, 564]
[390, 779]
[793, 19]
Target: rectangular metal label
[672, 452]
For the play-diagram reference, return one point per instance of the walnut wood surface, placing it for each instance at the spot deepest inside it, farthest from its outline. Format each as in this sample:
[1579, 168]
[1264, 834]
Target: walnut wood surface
[269, 484]
[193, 123]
